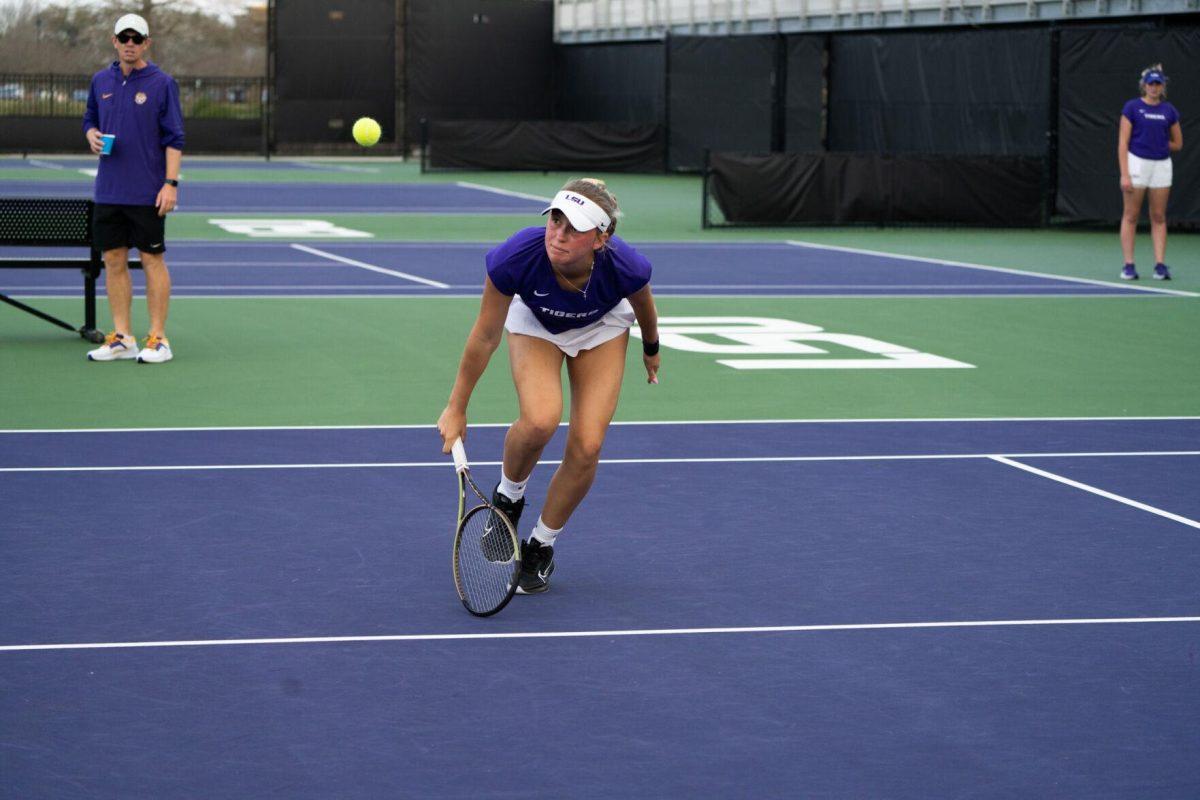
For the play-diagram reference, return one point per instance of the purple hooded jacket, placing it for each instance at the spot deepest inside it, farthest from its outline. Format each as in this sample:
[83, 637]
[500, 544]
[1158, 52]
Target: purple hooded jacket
[143, 112]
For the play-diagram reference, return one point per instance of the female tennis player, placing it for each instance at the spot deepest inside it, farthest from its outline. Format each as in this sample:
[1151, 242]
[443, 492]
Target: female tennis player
[566, 293]
[1149, 133]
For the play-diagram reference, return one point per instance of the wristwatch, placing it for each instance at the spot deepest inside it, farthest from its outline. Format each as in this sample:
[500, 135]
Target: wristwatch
[171, 182]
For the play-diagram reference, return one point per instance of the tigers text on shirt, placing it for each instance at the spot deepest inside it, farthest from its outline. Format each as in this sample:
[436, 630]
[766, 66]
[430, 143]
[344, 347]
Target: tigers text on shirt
[520, 266]
[1151, 134]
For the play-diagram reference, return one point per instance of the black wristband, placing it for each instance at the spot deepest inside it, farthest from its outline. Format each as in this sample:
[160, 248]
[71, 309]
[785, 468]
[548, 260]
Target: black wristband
[171, 182]
[650, 348]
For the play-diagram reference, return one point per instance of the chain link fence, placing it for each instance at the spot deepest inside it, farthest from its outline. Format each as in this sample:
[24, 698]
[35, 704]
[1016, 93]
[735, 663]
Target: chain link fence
[66, 96]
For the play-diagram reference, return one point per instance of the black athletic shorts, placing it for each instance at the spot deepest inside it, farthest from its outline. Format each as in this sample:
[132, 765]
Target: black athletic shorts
[128, 226]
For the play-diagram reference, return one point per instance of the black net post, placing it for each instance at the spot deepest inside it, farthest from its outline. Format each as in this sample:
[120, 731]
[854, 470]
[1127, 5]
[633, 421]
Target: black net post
[704, 192]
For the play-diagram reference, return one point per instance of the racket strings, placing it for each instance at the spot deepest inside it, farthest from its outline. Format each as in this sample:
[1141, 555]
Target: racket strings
[496, 542]
[485, 560]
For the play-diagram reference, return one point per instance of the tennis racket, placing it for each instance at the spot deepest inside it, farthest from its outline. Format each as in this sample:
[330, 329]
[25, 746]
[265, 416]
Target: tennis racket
[487, 553]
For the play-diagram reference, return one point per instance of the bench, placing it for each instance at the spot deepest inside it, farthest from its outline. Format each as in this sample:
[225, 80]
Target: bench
[54, 222]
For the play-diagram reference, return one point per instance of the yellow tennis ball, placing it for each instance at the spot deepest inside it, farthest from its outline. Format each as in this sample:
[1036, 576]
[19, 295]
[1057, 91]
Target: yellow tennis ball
[366, 131]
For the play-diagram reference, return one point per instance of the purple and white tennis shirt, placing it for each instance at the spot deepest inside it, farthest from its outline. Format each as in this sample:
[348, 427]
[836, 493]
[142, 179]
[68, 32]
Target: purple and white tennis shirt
[521, 266]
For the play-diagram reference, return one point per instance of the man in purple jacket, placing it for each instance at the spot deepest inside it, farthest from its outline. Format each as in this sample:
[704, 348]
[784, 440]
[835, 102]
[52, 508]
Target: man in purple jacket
[135, 107]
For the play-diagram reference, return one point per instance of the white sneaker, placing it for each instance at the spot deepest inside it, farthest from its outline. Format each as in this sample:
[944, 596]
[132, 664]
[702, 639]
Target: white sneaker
[116, 347]
[156, 351]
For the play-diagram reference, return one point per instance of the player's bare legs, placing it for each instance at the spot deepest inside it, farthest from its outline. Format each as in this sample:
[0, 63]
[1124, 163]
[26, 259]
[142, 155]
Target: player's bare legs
[158, 291]
[1129, 220]
[119, 288]
[537, 372]
[1158, 222]
[595, 388]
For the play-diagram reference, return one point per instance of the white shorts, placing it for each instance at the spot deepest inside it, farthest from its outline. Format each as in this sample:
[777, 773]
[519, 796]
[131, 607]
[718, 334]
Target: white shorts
[610, 326]
[1149, 173]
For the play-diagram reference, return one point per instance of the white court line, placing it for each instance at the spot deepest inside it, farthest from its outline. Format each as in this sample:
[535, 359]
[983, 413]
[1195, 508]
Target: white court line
[334, 167]
[438, 637]
[897, 286]
[430, 426]
[1088, 488]
[968, 265]
[621, 461]
[332, 212]
[506, 192]
[174, 263]
[43, 164]
[314, 251]
[181, 294]
[244, 264]
[473, 294]
[184, 291]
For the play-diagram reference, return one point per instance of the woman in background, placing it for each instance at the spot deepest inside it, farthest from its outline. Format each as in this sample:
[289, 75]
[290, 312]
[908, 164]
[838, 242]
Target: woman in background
[1149, 133]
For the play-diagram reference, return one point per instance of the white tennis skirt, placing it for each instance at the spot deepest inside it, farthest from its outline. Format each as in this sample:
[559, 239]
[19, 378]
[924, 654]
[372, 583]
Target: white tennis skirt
[610, 326]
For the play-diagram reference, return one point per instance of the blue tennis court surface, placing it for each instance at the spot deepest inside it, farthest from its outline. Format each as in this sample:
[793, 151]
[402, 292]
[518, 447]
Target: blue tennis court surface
[232, 198]
[331, 268]
[1000, 608]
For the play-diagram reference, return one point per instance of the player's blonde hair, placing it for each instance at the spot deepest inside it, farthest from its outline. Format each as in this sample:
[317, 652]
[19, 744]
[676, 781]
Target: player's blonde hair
[597, 191]
[1142, 81]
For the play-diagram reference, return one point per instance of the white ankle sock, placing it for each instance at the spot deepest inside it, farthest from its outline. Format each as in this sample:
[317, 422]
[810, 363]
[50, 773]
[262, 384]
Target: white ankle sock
[544, 534]
[512, 489]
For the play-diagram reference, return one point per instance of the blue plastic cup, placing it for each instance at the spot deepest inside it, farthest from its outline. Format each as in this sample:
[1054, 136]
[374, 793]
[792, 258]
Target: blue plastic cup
[108, 138]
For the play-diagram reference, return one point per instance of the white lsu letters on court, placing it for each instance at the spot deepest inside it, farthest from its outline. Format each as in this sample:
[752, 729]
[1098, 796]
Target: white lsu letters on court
[765, 336]
[288, 229]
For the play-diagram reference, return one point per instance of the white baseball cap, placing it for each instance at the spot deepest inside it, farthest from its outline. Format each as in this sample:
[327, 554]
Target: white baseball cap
[132, 22]
[583, 213]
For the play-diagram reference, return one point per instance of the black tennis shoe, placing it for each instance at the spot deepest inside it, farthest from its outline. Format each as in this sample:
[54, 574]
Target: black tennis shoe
[499, 548]
[537, 562]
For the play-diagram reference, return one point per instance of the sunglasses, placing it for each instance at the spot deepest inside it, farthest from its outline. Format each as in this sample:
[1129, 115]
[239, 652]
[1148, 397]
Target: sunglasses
[126, 38]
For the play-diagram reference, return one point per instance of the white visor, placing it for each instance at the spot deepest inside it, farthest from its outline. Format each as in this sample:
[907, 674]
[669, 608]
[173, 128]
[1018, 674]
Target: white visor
[582, 212]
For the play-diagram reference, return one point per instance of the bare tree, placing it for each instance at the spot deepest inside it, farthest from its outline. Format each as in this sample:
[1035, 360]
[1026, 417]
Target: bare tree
[73, 38]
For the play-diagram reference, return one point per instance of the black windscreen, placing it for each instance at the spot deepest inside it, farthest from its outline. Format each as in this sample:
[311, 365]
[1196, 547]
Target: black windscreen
[611, 82]
[479, 59]
[802, 96]
[335, 61]
[720, 97]
[943, 92]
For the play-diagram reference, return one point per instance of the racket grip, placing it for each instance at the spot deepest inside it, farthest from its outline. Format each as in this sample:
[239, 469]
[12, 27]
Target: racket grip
[460, 455]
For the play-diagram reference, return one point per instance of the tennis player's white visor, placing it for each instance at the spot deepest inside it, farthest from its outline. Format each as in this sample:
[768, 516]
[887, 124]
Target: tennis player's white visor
[583, 213]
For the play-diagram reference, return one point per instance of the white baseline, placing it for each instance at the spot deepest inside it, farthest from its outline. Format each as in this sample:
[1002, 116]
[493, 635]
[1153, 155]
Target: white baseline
[652, 423]
[437, 637]
[552, 462]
